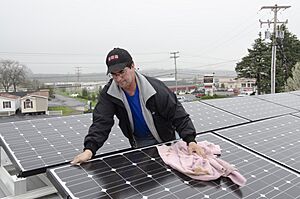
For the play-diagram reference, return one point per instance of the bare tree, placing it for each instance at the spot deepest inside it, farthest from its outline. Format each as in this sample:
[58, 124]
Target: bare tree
[18, 76]
[12, 73]
[5, 75]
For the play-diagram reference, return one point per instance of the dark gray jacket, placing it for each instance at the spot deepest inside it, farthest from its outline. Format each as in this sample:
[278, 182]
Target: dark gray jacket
[162, 111]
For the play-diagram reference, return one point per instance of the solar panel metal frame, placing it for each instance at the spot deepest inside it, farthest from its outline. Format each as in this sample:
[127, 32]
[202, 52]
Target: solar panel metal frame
[249, 107]
[284, 99]
[271, 141]
[264, 177]
[207, 118]
[51, 142]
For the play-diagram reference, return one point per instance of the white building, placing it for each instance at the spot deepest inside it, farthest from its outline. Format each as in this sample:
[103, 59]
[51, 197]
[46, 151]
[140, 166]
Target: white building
[9, 104]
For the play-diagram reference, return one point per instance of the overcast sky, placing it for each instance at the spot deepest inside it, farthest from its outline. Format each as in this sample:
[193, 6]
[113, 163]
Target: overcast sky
[56, 36]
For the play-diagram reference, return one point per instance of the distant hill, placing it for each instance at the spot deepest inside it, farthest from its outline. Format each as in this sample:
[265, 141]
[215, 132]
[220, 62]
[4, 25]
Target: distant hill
[93, 77]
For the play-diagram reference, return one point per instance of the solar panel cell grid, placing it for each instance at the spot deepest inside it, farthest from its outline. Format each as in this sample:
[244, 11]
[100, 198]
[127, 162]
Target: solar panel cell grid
[284, 99]
[250, 107]
[277, 138]
[207, 118]
[297, 114]
[142, 174]
[34, 145]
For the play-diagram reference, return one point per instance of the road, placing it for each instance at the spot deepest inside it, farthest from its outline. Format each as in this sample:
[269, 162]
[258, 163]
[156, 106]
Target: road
[61, 100]
[189, 97]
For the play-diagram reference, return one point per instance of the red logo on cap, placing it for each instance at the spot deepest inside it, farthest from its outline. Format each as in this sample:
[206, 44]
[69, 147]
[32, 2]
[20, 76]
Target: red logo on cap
[113, 57]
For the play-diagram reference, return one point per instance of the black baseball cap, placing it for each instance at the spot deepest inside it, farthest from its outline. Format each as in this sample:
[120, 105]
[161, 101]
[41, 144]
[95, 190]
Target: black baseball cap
[117, 59]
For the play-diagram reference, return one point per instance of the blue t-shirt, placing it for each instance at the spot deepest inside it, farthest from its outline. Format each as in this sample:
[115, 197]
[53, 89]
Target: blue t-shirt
[140, 126]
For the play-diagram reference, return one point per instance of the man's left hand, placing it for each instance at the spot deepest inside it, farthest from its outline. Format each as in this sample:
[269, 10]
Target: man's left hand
[194, 147]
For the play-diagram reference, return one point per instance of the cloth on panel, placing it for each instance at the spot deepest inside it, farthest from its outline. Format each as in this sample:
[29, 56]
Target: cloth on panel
[195, 166]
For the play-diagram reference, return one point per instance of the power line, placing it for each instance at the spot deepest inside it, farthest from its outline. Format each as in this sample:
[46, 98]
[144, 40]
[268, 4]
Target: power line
[48, 53]
[70, 54]
[213, 64]
[61, 63]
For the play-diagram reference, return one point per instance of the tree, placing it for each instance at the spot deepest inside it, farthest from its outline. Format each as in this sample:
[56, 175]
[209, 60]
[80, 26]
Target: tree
[222, 85]
[18, 76]
[257, 64]
[5, 74]
[12, 74]
[288, 54]
[84, 93]
[32, 84]
[293, 82]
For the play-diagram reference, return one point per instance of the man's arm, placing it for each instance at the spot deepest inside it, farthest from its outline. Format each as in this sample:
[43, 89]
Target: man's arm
[82, 157]
[183, 123]
[98, 131]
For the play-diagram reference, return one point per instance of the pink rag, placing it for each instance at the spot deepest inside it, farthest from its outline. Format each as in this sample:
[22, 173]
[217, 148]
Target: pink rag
[195, 166]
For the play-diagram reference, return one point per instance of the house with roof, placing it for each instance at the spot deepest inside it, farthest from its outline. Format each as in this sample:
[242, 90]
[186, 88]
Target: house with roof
[9, 104]
[24, 102]
[36, 102]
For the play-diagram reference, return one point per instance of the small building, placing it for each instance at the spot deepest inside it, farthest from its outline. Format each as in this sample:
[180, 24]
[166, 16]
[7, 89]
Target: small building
[24, 102]
[36, 102]
[240, 85]
[9, 104]
[209, 84]
[182, 89]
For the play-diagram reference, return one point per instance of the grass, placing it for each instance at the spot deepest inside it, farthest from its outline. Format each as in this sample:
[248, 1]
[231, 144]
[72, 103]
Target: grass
[207, 97]
[212, 97]
[65, 110]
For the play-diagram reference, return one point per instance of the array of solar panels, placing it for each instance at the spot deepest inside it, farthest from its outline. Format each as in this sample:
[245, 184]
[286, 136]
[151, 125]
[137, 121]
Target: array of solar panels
[206, 118]
[264, 128]
[251, 108]
[276, 138]
[142, 174]
[34, 145]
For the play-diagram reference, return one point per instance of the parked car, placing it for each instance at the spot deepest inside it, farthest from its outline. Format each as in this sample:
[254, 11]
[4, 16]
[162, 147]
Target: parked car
[74, 95]
[199, 93]
[181, 98]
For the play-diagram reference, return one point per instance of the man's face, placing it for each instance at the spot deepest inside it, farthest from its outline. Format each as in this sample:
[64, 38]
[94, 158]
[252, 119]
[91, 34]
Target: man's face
[125, 77]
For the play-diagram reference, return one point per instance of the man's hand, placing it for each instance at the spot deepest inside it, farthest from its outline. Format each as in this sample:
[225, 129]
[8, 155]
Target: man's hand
[82, 157]
[194, 147]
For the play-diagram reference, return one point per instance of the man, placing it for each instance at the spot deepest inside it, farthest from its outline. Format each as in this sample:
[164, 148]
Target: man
[148, 112]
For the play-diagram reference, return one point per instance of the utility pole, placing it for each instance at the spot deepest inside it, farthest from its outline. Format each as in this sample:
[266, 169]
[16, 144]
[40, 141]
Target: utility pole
[175, 56]
[77, 72]
[275, 9]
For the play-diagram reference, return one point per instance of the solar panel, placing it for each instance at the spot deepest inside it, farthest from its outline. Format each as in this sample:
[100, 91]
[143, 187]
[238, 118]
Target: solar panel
[284, 99]
[249, 107]
[295, 92]
[207, 118]
[142, 174]
[297, 114]
[277, 138]
[34, 145]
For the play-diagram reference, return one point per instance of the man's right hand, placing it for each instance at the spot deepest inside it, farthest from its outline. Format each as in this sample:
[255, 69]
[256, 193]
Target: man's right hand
[82, 157]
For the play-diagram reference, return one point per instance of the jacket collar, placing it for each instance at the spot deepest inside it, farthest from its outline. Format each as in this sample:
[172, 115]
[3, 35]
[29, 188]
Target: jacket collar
[145, 88]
